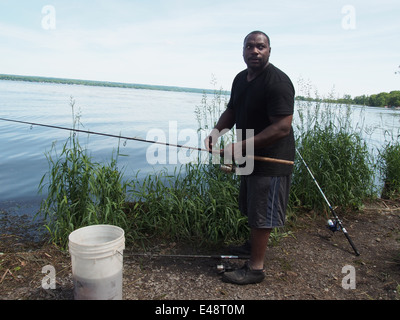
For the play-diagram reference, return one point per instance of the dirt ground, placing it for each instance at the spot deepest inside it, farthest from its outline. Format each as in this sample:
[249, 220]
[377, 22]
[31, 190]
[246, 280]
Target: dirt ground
[311, 263]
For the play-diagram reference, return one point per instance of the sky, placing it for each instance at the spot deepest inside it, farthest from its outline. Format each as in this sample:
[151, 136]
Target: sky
[334, 47]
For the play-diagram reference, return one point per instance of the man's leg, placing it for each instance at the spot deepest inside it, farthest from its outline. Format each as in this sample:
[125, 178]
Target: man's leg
[252, 271]
[259, 243]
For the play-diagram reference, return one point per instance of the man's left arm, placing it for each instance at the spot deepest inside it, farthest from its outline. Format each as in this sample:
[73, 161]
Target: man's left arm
[281, 96]
[279, 128]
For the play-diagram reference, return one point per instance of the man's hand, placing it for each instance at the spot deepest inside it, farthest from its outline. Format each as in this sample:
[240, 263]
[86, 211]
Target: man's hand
[210, 141]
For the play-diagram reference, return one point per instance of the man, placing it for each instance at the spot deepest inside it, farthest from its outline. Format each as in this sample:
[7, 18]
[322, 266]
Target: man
[262, 98]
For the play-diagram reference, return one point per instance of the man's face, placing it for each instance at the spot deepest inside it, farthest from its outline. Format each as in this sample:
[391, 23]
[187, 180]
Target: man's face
[256, 51]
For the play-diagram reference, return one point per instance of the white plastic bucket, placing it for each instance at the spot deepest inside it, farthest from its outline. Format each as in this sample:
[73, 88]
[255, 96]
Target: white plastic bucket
[97, 262]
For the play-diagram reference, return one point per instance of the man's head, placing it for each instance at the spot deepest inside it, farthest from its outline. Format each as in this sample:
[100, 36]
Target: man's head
[256, 50]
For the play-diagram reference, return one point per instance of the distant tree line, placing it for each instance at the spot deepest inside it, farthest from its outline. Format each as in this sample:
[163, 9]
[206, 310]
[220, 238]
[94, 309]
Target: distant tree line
[383, 99]
[391, 99]
[101, 83]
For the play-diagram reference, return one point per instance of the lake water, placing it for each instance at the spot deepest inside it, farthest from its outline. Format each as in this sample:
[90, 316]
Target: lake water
[118, 111]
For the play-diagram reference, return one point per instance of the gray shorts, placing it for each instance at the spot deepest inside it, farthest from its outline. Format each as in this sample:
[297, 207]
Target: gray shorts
[264, 200]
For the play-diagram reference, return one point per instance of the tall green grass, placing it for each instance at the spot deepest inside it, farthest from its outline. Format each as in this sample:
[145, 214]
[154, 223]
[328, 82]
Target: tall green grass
[196, 203]
[80, 192]
[208, 112]
[199, 203]
[337, 154]
[389, 166]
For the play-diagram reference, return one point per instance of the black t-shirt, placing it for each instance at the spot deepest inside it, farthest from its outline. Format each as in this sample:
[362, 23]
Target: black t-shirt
[270, 94]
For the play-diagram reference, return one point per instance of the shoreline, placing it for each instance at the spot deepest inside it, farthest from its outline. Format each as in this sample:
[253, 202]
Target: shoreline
[305, 266]
[112, 84]
[96, 83]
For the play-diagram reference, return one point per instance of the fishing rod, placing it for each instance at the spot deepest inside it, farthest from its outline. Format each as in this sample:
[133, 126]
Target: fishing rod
[332, 225]
[257, 158]
[187, 256]
[221, 268]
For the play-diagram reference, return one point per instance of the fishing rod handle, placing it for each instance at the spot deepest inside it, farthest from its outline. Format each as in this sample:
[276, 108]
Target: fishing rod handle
[351, 242]
[265, 159]
[258, 158]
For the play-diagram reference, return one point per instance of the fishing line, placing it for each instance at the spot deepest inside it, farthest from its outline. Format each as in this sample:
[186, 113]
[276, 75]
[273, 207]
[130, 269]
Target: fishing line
[257, 158]
[101, 134]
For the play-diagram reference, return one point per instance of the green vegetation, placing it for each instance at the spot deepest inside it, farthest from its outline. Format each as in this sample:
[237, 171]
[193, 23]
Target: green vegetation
[389, 165]
[383, 99]
[198, 202]
[80, 192]
[337, 155]
[391, 99]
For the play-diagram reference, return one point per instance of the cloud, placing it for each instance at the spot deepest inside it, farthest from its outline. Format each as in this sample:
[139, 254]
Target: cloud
[178, 42]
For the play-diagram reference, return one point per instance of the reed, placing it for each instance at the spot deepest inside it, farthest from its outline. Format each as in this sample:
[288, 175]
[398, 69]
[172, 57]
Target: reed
[208, 113]
[336, 153]
[197, 202]
[80, 192]
[389, 166]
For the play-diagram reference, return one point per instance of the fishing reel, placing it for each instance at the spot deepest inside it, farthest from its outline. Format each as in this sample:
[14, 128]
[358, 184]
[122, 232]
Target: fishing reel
[221, 268]
[333, 225]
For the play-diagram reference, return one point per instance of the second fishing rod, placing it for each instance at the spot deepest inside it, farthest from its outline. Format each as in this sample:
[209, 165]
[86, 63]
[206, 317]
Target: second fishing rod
[334, 224]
